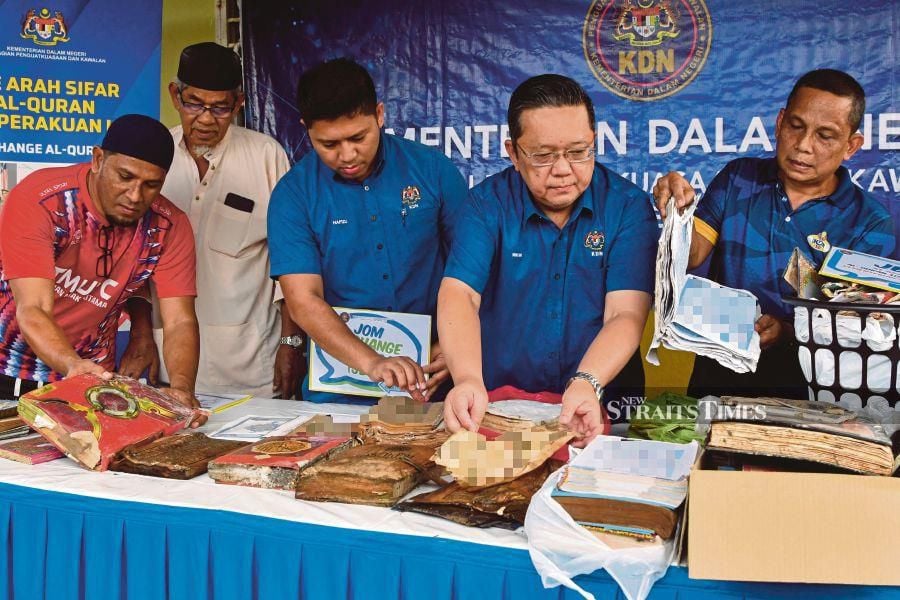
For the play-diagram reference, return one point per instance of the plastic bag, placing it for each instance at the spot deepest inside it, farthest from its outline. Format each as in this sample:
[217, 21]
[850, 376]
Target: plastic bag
[561, 549]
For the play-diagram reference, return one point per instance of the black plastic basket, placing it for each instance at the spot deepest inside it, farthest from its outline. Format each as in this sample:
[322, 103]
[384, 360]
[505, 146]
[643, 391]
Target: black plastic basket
[838, 390]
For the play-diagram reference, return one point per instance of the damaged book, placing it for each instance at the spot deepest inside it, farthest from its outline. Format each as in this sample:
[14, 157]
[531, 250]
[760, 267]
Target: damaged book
[374, 474]
[275, 462]
[91, 419]
[180, 456]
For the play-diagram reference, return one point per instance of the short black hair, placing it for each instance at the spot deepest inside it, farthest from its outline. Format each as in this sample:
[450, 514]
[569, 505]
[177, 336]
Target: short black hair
[333, 89]
[837, 83]
[545, 90]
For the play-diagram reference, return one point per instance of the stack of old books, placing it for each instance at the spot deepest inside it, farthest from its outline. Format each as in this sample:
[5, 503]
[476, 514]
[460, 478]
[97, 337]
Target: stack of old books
[13, 427]
[623, 487]
[520, 415]
[797, 435]
[399, 437]
[401, 420]
[625, 504]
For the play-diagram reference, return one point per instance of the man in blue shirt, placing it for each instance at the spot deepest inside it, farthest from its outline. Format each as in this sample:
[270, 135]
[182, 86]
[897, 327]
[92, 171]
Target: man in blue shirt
[548, 283]
[365, 221]
[756, 211]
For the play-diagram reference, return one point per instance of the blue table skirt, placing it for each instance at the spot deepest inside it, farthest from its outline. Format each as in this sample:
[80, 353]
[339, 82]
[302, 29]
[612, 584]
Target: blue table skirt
[60, 546]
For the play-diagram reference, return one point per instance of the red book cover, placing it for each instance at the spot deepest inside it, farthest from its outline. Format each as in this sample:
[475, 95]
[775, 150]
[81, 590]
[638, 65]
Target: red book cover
[92, 420]
[31, 450]
[274, 462]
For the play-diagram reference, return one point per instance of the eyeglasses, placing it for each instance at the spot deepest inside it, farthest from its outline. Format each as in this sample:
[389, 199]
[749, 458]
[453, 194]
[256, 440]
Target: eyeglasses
[105, 240]
[546, 159]
[192, 108]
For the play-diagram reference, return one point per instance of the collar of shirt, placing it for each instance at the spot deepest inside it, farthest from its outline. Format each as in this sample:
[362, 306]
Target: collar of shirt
[841, 197]
[585, 202]
[376, 170]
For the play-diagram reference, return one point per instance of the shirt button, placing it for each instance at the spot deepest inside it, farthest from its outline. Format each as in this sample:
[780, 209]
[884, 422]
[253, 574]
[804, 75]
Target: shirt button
[366, 188]
[374, 218]
[213, 167]
[380, 246]
[553, 315]
[556, 276]
[204, 183]
[787, 219]
[385, 276]
[196, 197]
[552, 355]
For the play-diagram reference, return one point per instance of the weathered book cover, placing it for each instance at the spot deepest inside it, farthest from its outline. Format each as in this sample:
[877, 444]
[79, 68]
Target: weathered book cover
[369, 474]
[181, 456]
[502, 505]
[621, 502]
[92, 420]
[8, 408]
[13, 427]
[375, 433]
[274, 462]
[620, 513]
[802, 430]
[399, 414]
[30, 450]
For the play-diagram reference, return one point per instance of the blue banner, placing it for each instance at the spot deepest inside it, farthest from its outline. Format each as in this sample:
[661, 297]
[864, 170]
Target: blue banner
[69, 68]
[682, 85]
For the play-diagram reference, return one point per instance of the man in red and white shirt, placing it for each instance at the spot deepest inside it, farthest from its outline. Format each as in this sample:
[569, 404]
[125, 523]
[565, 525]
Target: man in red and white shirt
[75, 243]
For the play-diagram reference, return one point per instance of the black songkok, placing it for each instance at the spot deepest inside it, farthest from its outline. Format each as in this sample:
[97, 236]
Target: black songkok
[209, 66]
[141, 137]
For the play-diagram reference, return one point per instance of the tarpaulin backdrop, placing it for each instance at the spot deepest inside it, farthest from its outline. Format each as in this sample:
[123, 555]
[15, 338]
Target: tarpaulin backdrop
[678, 84]
[68, 68]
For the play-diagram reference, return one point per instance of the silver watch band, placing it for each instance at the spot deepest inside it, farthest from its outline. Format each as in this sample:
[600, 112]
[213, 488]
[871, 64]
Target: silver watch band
[294, 341]
[598, 388]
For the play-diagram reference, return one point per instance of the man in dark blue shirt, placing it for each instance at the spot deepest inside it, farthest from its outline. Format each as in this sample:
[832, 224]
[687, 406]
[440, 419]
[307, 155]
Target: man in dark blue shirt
[365, 221]
[756, 211]
[548, 283]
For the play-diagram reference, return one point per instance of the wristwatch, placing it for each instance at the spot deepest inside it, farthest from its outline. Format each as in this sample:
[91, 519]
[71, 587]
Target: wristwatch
[294, 341]
[598, 389]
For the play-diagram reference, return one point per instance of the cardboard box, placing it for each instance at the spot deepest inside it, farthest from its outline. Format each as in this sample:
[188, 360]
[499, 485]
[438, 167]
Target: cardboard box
[793, 527]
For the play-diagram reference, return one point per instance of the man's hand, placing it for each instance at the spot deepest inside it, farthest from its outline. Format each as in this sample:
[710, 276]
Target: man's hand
[770, 330]
[400, 372]
[672, 184]
[581, 412]
[437, 369]
[188, 399]
[82, 366]
[288, 369]
[464, 406]
[141, 354]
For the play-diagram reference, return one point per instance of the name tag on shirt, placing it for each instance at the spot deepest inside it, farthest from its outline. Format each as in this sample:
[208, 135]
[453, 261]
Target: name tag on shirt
[388, 333]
